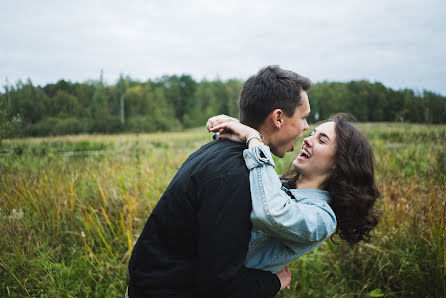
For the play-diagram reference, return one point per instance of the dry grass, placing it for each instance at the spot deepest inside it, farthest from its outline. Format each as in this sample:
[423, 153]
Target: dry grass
[72, 208]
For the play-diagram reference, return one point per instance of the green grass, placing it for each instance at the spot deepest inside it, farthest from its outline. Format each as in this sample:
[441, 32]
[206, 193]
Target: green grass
[72, 208]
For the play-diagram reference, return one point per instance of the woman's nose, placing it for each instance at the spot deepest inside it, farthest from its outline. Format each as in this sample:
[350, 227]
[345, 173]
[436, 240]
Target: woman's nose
[308, 141]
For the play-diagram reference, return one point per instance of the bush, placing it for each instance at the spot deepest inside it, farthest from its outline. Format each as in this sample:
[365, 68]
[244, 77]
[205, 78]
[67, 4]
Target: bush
[151, 124]
[56, 126]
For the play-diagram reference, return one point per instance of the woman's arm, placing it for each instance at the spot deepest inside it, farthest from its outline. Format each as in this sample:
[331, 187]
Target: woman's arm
[231, 128]
[216, 120]
[273, 211]
[276, 213]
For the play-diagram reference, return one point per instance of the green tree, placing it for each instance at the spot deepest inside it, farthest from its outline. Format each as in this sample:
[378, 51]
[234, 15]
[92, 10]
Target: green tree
[8, 125]
[414, 106]
[180, 93]
[435, 107]
[100, 108]
[176, 102]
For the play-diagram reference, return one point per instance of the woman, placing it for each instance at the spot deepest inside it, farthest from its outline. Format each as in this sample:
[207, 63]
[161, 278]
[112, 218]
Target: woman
[330, 189]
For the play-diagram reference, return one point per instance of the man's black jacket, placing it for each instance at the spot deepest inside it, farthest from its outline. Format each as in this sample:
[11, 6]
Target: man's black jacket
[195, 241]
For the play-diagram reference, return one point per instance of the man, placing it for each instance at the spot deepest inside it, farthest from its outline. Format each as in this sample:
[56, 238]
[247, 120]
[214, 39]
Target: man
[195, 242]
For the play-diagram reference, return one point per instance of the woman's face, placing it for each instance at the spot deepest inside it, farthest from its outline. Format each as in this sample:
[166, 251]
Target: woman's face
[316, 157]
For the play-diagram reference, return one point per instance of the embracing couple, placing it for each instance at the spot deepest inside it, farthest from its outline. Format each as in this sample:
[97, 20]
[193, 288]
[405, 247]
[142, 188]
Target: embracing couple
[228, 225]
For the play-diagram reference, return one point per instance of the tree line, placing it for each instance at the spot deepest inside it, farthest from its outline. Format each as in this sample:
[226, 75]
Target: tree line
[178, 101]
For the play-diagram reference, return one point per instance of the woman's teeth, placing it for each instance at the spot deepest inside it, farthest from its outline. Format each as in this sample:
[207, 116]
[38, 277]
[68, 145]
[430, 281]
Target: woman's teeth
[304, 153]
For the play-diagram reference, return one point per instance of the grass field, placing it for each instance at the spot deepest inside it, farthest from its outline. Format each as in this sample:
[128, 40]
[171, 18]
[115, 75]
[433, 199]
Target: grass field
[71, 209]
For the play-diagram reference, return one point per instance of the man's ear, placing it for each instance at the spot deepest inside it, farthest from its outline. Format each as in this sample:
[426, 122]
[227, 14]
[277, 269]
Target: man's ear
[276, 117]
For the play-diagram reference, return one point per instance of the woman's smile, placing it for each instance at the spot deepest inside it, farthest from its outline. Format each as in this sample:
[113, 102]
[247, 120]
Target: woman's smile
[316, 156]
[304, 154]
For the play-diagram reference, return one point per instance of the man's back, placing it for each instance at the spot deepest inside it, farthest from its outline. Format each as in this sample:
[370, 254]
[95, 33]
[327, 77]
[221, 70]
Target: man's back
[195, 241]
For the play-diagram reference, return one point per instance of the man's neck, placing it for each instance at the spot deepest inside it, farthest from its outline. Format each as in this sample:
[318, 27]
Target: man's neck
[266, 133]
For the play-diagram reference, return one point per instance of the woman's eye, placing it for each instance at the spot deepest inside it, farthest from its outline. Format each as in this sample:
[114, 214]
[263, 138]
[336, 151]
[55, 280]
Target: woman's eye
[321, 141]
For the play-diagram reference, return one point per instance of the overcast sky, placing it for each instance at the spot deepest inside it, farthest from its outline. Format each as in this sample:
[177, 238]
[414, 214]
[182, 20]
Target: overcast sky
[399, 43]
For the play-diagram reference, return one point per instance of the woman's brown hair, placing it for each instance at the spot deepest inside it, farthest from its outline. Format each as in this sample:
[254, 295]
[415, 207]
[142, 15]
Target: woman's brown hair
[351, 185]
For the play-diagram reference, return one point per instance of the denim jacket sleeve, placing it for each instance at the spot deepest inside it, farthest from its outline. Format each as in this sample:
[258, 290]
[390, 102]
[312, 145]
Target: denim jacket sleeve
[275, 212]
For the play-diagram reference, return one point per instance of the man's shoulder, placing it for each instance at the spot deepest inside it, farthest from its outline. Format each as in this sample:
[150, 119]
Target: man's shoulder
[224, 145]
[217, 158]
[220, 150]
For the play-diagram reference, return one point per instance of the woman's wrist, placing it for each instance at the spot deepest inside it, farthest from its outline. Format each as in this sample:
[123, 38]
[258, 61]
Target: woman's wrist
[254, 143]
[254, 138]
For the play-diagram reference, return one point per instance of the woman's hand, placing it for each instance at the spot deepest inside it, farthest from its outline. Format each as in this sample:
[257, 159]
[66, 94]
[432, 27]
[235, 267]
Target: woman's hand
[233, 130]
[285, 277]
[216, 120]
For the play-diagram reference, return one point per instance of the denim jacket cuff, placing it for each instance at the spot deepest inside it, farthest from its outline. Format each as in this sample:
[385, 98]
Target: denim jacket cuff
[258, 156]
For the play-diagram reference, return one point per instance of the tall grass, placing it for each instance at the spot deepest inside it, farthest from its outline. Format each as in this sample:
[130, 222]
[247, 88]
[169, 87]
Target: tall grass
[73, 207]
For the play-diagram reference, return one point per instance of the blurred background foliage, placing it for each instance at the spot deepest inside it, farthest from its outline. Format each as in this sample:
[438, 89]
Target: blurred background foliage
[177, 102]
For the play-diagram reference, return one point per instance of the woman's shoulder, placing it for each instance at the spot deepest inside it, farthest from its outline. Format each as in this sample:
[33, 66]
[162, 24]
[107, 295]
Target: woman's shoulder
[314, 197]
[311, 194]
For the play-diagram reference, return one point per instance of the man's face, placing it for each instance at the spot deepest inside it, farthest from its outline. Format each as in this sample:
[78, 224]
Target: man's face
[282, 141]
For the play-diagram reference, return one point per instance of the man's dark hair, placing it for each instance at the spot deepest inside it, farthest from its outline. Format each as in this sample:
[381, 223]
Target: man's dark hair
[271, 88]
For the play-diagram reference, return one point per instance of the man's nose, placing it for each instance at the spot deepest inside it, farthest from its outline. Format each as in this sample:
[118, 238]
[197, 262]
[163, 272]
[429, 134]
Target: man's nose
[306, 125]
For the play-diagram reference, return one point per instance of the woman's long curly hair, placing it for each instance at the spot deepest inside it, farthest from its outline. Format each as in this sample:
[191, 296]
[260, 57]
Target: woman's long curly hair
[351, 185]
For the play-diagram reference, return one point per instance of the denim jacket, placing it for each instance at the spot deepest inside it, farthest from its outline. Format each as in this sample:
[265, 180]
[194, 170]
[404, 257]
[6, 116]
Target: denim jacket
[286, 223]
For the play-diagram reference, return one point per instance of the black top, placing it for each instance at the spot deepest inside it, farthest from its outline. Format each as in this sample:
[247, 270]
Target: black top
[195, 242]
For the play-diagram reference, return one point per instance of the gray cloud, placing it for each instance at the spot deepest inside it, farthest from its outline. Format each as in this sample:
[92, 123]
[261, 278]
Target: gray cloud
[400, 43]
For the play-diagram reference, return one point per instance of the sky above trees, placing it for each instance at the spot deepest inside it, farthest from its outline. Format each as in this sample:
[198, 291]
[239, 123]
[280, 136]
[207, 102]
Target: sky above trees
[398, 43]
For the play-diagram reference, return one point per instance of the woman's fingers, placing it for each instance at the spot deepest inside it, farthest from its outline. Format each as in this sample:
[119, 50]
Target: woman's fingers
[216, 120]
[230, 136]
[220, 127]
[210, 124]
[228, 130]
[235, 129]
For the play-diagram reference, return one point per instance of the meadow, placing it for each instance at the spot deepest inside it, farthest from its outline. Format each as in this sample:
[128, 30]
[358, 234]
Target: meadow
[72, 207]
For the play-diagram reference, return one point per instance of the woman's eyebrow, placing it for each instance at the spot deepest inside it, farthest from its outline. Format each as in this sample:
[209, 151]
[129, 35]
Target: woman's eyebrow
[324, 135]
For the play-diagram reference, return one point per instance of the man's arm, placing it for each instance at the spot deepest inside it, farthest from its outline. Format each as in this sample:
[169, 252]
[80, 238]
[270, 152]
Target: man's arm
[223, 237]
